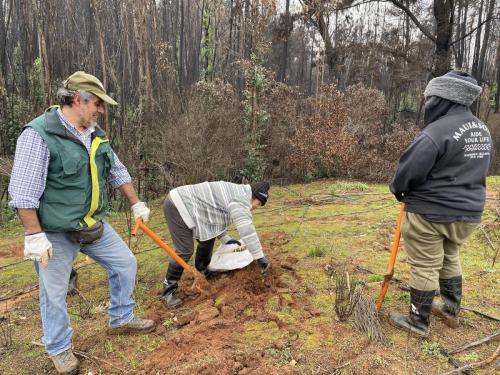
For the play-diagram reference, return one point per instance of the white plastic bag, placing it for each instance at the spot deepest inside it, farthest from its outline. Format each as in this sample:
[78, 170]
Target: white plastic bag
[230, 257]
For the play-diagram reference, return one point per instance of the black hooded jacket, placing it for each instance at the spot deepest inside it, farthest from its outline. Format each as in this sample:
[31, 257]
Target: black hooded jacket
[442, 174]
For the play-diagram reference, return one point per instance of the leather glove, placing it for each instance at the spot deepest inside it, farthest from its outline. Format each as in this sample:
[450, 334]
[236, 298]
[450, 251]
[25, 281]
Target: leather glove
[233, 241]
[264, 265]
[140, 210]
[37, 247]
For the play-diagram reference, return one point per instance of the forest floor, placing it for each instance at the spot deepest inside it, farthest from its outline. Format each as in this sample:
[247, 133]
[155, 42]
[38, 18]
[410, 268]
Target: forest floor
[283, 323]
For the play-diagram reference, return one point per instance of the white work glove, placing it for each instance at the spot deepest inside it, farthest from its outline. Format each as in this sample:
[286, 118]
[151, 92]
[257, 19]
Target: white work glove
[140, 210]
[37, 247]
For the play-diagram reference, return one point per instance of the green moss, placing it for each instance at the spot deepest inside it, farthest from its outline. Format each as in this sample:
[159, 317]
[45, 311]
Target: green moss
[312, 342]
[273, 304]
[219, 301]
[262, 333]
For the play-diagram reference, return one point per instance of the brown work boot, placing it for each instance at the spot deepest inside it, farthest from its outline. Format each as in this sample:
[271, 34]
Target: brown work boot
[440, 310]
[66, 362]
[135, 326]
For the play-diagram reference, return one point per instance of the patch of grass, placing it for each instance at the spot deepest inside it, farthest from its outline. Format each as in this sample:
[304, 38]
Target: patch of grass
[405, 297]
[169, 323]
[282, 356]
[108, 346]
[389, 297]
[317, 251]
[133, 363]
[469, 357]
[148, 344]
[430, 348]
[374, 278]
[378, 361]
[347, 186]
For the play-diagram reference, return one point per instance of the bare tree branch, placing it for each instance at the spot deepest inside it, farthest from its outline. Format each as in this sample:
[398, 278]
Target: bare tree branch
[475, 343]
[473, 30]
[405, 9]
[476, 364]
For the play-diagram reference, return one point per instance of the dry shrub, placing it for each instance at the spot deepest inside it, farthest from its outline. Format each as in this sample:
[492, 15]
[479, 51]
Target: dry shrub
[6, 332]
[377, 145]
[205, 141]
[282, 103]
[366, 319]
[367, 111]
[347, 294]
[323, 143]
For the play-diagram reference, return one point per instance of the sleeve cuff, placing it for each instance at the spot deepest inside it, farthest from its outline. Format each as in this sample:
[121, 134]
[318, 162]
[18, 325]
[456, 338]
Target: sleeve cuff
[117, 182]
[24, 203]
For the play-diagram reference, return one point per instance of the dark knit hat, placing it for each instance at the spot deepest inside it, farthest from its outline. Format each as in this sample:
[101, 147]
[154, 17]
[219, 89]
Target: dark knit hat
[260, 191]
[455, 86]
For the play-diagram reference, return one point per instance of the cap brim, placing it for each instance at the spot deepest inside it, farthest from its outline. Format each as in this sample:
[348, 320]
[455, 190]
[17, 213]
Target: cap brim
[106, 98]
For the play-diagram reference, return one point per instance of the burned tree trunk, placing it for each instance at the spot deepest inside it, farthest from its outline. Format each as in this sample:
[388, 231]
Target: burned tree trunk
[443, 12]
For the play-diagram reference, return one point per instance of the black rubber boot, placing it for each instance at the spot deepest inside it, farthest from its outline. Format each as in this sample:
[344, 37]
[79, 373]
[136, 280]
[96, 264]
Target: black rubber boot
[451, 297]
[420, 310]
[204, 256]
[169, 296]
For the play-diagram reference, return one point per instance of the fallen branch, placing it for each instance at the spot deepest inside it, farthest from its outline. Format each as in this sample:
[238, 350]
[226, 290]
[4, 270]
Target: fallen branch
[488, 239]
[480, 313]
[20, 292]
[88, 356]
[474, 365]
[94, 358]
[475, 343]
[454, 362]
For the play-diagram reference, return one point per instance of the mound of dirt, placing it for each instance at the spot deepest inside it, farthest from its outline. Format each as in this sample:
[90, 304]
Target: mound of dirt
[207, 339]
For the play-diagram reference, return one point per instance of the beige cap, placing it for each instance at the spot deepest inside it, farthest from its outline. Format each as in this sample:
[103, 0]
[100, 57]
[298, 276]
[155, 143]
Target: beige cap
[81, 81]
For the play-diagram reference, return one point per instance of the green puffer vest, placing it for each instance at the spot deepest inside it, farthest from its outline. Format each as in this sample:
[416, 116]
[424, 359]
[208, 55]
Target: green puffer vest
[75, 194]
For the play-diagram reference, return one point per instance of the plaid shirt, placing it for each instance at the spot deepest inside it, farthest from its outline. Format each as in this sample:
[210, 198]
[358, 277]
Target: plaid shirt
[31, 163]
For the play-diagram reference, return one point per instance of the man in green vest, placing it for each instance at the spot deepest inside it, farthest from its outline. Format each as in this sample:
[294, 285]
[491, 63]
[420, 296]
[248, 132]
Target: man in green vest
[62, 164]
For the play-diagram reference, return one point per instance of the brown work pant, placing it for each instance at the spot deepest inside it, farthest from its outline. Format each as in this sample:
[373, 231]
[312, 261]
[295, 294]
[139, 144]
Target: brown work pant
[433, 249]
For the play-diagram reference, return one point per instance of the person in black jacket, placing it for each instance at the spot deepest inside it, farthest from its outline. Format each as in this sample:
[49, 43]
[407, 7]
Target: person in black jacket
[441, 178]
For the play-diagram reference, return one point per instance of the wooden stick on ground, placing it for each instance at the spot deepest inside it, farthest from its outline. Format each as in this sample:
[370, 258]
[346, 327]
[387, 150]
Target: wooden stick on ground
[94, 358]
[475, 343]
[454, 362]
[474, 365]
[484, 315]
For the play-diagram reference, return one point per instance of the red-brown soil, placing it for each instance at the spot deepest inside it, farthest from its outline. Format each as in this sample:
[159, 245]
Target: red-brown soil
[208, 341]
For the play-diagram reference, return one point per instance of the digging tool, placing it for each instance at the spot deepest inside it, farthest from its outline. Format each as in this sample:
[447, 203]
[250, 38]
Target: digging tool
[200, 283]
[392, 260]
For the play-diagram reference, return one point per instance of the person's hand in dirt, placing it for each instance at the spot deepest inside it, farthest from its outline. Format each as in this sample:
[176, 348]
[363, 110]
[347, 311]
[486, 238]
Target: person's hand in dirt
[264, 265]
[233, 241]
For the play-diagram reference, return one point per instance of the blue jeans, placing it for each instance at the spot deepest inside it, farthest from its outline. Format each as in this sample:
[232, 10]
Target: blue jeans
[113, 255]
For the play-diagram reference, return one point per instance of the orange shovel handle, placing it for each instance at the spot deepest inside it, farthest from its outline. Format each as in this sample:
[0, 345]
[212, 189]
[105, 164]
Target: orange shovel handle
[140, 224]
[392, 259]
